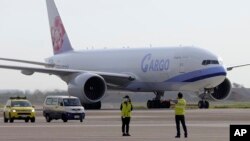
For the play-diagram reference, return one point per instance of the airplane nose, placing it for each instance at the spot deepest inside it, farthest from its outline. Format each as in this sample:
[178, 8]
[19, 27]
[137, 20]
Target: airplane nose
[223, 69]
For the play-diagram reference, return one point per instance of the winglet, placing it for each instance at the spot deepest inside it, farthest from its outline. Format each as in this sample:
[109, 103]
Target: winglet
[59, 36]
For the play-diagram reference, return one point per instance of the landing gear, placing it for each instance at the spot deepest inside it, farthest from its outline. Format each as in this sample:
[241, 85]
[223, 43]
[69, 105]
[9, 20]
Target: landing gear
[203, 103]
[93, 106]
[157, 103]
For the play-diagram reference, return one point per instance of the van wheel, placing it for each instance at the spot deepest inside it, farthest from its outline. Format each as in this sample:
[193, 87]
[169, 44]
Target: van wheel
[64, 118]
[81, 120]
[4, 118]
[48, 119]
[26, 120]
[32, 120]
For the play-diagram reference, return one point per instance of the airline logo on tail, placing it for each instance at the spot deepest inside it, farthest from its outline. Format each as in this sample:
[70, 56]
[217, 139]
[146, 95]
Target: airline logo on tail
[57, 34]
[60, 40]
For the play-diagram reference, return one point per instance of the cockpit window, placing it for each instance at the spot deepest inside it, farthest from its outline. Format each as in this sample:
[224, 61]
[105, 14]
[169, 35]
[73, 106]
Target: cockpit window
[208, 62]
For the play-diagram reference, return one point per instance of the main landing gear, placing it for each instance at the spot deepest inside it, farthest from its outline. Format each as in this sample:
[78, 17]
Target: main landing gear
[157, 102]
[203, 103]
[93, 106]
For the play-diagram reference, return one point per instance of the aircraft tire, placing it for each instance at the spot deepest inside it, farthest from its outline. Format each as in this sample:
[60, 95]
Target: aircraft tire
[149, 104]
[201, 104]
[93, 106]
[153, 104]
[206, 106]
[165, 104]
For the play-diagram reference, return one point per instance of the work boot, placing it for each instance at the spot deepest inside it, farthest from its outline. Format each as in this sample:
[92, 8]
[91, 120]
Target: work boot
[124, 134]
[128, 134]
[186, 135]
[177, 136]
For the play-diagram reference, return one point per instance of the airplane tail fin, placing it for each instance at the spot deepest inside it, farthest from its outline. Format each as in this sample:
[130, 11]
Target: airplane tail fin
[60, 40]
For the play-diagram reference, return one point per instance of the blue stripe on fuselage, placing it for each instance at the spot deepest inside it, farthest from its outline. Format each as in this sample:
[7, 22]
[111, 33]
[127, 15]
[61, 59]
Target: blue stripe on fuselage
[199, 75]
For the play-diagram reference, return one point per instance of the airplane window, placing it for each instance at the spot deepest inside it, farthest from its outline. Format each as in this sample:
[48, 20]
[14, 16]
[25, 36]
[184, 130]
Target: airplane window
[204, 62]
[215, 62]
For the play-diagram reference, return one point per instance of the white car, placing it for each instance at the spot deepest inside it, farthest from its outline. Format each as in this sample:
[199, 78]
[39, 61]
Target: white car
[63, 107]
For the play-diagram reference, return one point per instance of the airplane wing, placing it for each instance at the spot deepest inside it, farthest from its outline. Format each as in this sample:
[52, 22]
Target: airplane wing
[232, 67]
[28, 62]
[117, 79]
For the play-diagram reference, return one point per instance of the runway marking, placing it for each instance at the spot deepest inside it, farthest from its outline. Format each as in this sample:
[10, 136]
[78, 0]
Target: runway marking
[118, 117]
[114, 125]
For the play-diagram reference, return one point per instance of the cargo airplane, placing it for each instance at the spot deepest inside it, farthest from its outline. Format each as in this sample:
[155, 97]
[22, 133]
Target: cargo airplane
[90, 73]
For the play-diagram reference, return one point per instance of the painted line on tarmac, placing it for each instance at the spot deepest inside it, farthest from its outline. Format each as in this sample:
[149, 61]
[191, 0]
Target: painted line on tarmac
[108, 125]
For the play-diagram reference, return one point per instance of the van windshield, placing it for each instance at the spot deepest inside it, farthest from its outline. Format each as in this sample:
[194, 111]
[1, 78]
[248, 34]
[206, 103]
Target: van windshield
[71, 102]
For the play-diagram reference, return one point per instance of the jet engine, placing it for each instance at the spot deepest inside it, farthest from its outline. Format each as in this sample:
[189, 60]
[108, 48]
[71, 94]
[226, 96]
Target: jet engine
[90, 88]
[222, 91]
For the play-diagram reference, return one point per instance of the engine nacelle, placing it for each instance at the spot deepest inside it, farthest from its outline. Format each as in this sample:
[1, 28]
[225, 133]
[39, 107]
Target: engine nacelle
[222, 91]
[90, 88]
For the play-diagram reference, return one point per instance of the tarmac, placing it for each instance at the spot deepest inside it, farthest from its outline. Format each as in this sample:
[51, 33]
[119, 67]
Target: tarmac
[146, 125]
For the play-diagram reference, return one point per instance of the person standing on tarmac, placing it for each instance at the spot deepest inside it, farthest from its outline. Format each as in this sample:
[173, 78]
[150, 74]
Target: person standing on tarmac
[180, 105]
[126, 109]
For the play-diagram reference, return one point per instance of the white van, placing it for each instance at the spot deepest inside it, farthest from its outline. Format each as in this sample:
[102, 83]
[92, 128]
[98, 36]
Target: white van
[63, 107]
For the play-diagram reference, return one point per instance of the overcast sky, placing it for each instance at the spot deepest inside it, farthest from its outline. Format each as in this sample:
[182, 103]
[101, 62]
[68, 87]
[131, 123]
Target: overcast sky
[221, 26]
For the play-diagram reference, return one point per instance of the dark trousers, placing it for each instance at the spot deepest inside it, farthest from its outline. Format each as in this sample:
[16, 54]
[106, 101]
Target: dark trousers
[125, 124]
[178, 119]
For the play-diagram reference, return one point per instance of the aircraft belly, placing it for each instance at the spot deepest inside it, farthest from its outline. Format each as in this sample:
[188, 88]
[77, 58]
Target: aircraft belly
[176, 86]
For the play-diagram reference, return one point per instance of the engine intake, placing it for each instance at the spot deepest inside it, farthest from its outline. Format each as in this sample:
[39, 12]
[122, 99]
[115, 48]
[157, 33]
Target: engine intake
[90, 88]
[94, 88]
[222, 91]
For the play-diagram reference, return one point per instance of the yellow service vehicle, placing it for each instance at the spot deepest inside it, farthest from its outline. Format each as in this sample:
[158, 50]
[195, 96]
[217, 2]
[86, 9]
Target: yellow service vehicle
[19, 108]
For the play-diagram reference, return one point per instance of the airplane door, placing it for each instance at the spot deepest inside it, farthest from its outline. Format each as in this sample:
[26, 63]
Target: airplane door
[183, 64]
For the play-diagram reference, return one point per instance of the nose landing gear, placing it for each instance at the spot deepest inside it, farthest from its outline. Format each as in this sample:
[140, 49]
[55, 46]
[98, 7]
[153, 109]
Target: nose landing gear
[203, 103]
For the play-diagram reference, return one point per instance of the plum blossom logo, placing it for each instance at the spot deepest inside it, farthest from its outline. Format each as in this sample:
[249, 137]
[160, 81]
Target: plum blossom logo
[57, 33]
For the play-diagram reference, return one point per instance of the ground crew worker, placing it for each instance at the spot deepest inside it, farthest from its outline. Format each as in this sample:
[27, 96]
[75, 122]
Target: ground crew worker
[180, 105]
[126, 108]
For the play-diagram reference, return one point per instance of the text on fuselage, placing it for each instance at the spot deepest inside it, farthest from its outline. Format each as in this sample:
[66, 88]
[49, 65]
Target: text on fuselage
[150, 63]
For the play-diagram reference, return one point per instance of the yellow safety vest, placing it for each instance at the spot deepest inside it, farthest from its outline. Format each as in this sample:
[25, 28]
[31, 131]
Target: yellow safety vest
[180, 107]
[126, 109]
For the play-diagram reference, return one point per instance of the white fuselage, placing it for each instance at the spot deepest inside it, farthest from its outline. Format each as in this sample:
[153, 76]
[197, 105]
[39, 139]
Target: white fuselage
[155, 69]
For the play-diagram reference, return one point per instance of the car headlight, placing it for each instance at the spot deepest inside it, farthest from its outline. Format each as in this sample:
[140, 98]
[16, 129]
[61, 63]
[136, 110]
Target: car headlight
[13, 111]
[33, 110]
